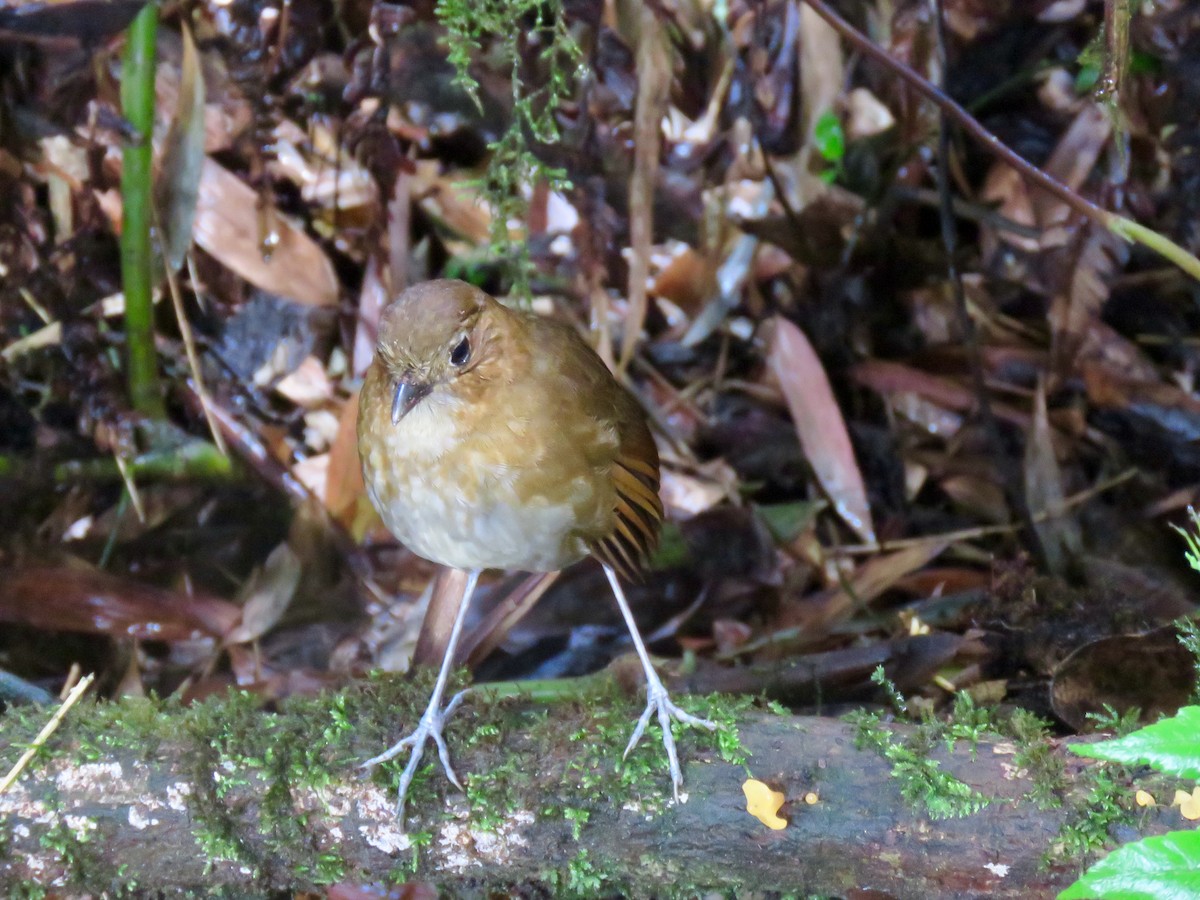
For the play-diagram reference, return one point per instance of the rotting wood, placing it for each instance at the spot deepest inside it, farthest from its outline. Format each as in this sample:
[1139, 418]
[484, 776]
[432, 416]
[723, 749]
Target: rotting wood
[148, 820]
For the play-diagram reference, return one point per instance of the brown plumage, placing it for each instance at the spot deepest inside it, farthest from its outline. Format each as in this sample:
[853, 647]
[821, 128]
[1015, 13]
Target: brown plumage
[493, 438]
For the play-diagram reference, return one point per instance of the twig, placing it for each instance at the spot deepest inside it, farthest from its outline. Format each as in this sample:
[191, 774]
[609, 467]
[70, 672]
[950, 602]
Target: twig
[967, 534]
[72, 698]
[1125, 228]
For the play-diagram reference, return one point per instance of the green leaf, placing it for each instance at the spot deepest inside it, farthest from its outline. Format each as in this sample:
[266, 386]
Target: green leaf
[829, 138]
[1086, 78]
[1165, 867]
[786, 521]
[1171, 746]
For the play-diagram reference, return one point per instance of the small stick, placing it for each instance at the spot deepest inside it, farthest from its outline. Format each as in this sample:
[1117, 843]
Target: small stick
[72, 698]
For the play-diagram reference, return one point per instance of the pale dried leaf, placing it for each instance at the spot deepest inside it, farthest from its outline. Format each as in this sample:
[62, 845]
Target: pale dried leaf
[371, 300]
[313, 473]
[177, 186]
[268, 595]
[228, 227]
[325, 173]
[876, 576]
[866, 116]
[820, 425]
[307, 385]
[1044, 494]
[688, 494]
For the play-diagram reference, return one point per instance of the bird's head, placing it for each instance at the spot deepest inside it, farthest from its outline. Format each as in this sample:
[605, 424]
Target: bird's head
[431, 335]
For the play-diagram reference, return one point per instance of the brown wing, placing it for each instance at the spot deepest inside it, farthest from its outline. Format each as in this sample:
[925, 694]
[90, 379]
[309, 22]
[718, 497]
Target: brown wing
[625, 535]
[639, 514]
[639, 511]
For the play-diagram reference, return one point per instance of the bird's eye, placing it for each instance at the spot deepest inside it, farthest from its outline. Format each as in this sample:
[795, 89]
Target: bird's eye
[461, 353]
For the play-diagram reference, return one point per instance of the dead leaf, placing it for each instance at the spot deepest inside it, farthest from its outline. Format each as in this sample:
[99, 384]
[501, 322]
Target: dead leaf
[1056, 528]
[307, 385]
[177, 186]
[1150, 671]
[641, 27]
[228, 226]
[268, 595]
[94, 602]
[819, 425]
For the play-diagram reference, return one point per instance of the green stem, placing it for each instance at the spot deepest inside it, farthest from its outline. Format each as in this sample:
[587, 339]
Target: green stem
[1127, 229]
[137, 104]
[1159, 243]
[198, 460]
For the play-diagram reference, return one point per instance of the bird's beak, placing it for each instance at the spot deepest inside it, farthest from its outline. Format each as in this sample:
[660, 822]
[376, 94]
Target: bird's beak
[408, 395]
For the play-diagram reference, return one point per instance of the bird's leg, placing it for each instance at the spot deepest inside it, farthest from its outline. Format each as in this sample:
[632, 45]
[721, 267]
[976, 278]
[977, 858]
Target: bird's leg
[657, 699]
[435, 717]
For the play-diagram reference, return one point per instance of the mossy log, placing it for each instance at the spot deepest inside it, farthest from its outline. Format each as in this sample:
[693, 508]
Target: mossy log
[223, 798]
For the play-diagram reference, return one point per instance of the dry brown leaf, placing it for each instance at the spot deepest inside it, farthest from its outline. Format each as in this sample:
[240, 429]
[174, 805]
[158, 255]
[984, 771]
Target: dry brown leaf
[228, 228]
[1071, 162]
[177, 184]
[452, 202]
[977, 495]
[95, 602]
[343, 482]
[641, 22]
[890, 378]
[268, 594]
[1091, 264]
[1057, 531]
[820, 425]
[873, 578]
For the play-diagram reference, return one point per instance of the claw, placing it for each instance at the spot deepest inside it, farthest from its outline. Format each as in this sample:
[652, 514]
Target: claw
[659, 701]
[435, 718]
[431, 726]
[657, 698]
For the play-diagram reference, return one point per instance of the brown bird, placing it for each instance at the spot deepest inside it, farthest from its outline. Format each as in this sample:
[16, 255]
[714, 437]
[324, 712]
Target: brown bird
[498, 439]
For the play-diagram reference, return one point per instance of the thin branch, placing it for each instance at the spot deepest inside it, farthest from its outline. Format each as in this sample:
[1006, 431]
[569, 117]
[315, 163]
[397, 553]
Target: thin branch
[1120, 225]
[72, 698]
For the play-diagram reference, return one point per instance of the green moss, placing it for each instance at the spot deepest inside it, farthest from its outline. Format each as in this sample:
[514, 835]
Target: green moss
[327, 868]
[419, 840]
[135, 726]
[74, 844]
[583, 879]
[578, 818]
[922, 782]
[28, 890]
[506, 27]
[236, 746]
[255, 770]
[1089, 826]
[1037, 756]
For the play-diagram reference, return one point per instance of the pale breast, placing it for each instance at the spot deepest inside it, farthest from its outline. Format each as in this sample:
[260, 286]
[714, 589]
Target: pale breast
[497, 501]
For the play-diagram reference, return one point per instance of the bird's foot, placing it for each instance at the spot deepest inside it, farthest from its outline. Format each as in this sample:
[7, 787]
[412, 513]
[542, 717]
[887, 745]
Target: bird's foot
[659, 701]
[430, 726]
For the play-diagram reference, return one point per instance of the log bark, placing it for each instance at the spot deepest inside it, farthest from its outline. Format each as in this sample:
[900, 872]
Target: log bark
[195, 810]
